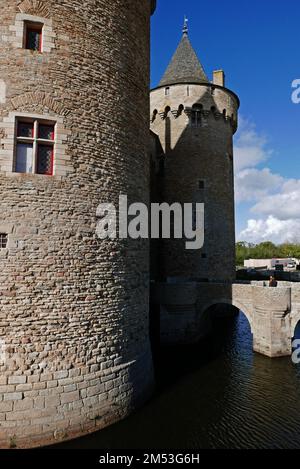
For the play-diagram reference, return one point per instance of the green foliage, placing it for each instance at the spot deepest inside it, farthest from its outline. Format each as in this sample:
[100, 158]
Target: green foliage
[243, 251]
[266, 250]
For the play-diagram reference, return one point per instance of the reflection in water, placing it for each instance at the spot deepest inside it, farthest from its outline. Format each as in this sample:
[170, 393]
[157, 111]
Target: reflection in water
[217, 395]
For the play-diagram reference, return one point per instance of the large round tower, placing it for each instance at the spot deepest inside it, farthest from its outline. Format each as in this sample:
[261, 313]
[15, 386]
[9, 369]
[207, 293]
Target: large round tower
[195, 121]
[75, 353]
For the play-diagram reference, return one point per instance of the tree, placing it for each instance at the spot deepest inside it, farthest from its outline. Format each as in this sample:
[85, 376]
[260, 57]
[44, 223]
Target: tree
[242, 252]
[265, 250]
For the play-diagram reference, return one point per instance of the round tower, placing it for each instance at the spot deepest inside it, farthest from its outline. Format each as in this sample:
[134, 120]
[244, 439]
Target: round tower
[74, 83]
[195, 120]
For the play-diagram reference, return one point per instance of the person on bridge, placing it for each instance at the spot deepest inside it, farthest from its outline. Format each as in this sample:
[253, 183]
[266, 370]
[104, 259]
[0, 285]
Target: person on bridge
[273, 282]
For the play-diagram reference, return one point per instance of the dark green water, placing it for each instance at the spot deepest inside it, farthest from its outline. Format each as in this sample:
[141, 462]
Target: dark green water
[217, 395]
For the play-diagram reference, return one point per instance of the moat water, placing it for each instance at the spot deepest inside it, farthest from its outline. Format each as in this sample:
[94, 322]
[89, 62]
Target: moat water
[217, 395]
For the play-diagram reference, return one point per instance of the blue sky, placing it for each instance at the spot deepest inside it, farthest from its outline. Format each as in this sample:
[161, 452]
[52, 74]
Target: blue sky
[257, 44]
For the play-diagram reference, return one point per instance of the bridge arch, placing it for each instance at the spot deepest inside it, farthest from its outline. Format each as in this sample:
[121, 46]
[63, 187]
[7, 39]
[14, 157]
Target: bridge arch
[240, 306]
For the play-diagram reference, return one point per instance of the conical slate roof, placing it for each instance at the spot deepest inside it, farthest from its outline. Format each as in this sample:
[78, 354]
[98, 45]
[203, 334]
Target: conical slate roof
[185, 66]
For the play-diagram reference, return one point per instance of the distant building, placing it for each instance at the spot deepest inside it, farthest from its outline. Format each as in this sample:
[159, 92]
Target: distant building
[268, 264]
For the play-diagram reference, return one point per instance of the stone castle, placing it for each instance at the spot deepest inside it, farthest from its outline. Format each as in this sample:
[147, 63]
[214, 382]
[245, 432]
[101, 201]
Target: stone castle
[74, 128]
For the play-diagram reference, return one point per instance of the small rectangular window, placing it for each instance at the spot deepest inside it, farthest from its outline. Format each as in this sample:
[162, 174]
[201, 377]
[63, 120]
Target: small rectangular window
[33, 36]
[201, 185]
[35, 141]
[3, 240]
[196, 115]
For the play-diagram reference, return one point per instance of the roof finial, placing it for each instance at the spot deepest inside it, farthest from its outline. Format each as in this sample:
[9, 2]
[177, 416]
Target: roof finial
[185, 26]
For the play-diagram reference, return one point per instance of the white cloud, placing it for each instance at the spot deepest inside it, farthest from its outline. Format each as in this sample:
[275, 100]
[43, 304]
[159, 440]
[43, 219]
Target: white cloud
[253, 184]
[250, 147]
[284, 206]
[276, 199]
[272, 229]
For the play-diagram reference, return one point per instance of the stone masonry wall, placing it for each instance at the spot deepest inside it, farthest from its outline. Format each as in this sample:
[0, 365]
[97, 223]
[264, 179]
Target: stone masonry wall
[73, 309]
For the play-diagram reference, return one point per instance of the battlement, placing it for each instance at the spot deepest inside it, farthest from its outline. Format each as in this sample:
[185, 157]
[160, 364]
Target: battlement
[182, 99]
[180, 112]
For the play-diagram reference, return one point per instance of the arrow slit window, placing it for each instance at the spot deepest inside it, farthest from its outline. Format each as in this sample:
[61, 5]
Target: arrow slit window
[196, 115]
[3, 240]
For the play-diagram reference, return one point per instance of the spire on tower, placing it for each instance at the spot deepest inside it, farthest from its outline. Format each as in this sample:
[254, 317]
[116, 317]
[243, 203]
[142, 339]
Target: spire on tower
[185, 26]
[185, 66]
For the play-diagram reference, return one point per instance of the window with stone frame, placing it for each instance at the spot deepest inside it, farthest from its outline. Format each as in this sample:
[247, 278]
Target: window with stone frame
[32, 32]
[196, 115]
[34, 146]
[33, 36]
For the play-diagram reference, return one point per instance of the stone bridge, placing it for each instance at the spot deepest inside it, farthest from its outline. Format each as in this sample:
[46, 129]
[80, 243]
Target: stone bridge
[186, 310]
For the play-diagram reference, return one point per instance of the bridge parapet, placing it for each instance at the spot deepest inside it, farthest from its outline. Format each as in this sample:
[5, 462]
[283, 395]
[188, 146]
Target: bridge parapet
[271, 299]
[272, 312]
